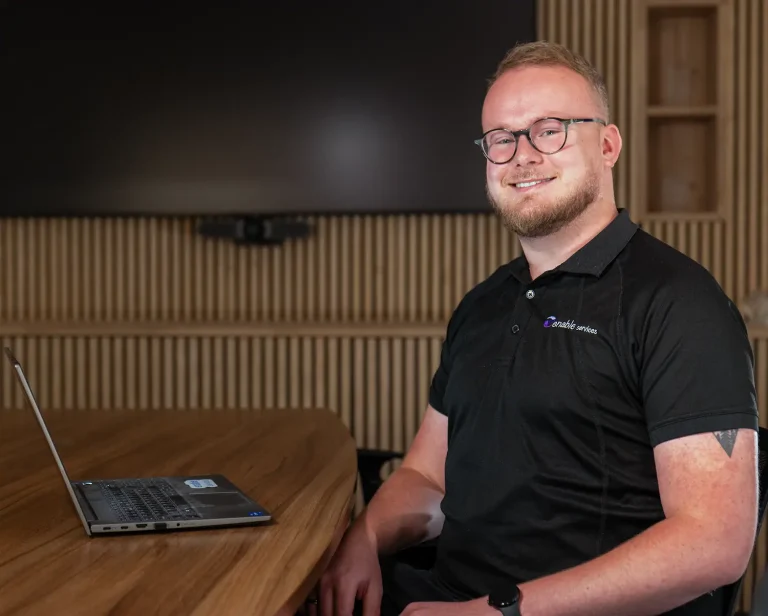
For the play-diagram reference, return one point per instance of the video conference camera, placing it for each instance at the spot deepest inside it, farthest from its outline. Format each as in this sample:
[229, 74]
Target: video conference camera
[257, 230]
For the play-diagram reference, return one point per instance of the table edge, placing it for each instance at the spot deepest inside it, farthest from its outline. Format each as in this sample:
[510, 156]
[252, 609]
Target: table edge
[300, 594]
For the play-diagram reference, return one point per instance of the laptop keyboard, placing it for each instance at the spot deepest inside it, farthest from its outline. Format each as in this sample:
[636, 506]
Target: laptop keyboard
[146, 500]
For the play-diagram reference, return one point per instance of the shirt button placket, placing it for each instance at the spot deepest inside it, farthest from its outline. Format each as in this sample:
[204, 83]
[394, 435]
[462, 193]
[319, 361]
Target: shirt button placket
[519, 319]
[529, 294]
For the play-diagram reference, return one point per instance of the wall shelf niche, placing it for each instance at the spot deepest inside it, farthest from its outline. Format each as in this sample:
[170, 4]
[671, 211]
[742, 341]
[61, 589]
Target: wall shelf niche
[682, 167]
[681, 94]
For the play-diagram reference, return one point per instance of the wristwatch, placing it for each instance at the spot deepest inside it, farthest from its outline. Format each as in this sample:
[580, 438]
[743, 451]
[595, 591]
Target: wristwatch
[506, 601]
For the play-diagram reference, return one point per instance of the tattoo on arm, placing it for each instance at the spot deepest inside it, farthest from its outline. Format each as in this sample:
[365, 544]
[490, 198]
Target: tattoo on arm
[727, 439]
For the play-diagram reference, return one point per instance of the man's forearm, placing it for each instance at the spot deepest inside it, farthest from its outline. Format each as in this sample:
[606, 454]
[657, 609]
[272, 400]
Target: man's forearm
[665, 566]
[404, 511]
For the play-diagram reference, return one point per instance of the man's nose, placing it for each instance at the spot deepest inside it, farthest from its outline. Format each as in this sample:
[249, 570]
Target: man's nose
[526, 154]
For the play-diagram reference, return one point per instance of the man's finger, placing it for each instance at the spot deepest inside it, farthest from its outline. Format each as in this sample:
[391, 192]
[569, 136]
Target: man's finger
[372, 600]
[326, 598]
[345, 599]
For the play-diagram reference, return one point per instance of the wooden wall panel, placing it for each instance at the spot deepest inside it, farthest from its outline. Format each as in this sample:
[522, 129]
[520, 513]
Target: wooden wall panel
[144, 313]
[377, 381]
[750, 128]
[353, 269]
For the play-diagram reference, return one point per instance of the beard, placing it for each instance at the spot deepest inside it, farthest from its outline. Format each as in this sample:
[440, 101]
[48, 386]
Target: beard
[529, 220]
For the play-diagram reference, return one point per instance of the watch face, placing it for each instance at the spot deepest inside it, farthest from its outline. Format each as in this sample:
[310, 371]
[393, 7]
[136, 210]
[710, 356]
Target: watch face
[509, 596]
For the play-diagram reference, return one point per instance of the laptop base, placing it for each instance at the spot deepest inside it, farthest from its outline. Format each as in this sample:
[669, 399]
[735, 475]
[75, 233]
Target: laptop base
[165, 503]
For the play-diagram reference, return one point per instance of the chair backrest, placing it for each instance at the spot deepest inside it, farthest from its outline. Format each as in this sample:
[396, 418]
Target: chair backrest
[732, 591]
[370, 463]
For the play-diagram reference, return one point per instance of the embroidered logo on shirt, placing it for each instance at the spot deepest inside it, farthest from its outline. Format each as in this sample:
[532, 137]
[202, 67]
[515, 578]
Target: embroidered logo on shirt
[569, 324]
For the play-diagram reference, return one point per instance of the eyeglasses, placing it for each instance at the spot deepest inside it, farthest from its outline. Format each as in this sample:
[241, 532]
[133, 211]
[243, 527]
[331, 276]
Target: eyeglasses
[547, 135]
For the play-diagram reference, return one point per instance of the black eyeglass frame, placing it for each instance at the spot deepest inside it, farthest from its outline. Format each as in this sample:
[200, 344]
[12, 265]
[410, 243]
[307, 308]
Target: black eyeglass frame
[516, 134]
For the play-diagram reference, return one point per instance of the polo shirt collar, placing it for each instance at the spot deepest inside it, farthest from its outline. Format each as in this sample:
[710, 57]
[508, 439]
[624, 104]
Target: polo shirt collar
[595, 256]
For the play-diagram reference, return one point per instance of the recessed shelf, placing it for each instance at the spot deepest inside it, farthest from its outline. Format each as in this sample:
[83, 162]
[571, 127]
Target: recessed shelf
[682, 56]
[682, 174]
[683, 98]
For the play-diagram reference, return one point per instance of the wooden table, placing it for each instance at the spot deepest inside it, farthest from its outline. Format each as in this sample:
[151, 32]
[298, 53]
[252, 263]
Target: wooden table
[299, 464]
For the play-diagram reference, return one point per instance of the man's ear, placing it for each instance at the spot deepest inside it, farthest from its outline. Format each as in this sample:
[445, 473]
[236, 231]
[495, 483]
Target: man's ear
[610, 145]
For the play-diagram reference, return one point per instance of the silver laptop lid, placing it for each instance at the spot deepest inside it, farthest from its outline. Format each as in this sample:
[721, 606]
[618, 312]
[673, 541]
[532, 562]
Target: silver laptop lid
[33, 403]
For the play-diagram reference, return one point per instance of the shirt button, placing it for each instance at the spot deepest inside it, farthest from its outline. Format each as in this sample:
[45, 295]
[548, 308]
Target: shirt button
[515, 329]
[530, 295]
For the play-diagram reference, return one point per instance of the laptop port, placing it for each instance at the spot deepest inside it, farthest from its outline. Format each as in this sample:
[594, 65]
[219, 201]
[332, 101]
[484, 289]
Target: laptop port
[141, 526]
[123, 528]
[160, 525]
[107, 528]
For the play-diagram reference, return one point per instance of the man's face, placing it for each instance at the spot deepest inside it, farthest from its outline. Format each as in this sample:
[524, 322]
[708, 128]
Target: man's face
[569, 180]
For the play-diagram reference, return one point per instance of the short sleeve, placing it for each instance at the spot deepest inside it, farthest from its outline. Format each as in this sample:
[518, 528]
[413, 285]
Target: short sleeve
[460, 315]
[440, 379]
[697, 364]
[442, 374]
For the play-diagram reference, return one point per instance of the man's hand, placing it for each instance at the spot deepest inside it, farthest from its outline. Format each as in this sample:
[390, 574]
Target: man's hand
[354, 572]
[476, 607]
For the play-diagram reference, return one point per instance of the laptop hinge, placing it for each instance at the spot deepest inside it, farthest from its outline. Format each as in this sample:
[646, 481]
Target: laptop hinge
[88, 511]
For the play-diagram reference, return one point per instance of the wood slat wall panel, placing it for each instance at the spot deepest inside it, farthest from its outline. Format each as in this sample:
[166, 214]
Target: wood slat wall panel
[391, 281]
[377, 384]
[354, 269]
[751, 148]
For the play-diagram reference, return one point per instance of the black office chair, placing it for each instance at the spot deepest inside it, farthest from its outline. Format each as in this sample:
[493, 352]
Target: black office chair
[759, 598]
[371, 461]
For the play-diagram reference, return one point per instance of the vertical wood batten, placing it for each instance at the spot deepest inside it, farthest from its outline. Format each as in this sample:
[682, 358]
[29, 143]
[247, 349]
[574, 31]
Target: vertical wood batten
[755, 173]
[763, 86]
[740, 158]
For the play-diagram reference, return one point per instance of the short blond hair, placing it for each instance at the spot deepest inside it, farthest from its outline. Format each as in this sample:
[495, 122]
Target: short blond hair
[544, 53]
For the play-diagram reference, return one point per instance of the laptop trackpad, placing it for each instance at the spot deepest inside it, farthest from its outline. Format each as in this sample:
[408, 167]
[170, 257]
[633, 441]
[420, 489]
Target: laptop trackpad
[216, 499]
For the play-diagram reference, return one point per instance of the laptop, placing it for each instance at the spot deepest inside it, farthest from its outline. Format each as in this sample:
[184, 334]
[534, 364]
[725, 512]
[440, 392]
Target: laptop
[146, 504]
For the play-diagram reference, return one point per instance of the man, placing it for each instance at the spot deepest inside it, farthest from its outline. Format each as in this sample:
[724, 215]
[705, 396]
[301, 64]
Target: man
[590, 442]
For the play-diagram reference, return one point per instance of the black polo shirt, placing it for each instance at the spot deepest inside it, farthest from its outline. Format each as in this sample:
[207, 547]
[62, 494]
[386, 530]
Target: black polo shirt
[556, 391]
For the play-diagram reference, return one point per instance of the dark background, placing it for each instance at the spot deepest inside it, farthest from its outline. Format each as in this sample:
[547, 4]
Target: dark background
[295, 107]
